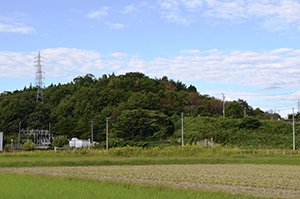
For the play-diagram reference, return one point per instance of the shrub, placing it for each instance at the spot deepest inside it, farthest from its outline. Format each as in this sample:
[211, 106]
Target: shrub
[250, 123]
[28, 145]
[60, 141]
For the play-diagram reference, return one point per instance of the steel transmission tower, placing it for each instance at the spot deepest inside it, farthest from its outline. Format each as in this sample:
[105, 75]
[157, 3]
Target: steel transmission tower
[39, 78]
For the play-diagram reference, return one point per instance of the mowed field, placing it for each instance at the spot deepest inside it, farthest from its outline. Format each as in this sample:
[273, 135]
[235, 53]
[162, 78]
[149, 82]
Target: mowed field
[275, 181]
[191, 172]
[48, 187]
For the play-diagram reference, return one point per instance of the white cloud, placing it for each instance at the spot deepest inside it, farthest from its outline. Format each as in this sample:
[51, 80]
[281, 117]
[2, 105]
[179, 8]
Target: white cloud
[68, 61]
[15, 24]
[275, 15]
[129, 9]
[137, 8]
[177, 18]
[190, 51]
[278, 68]
[172, 11]
[281, 15]
[16, 28]
[119, 55]
[169, 4]
[265, 69]
[98, 14]
[15, 64]
[59, 62]
[193, 4]
[229, 10]
[115, 26]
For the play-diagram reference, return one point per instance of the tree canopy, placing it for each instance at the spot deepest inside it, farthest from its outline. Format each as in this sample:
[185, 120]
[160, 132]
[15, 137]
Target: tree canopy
[139, 107]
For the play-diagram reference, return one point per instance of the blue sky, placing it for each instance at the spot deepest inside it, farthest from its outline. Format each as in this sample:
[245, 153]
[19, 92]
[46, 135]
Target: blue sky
[244, 49]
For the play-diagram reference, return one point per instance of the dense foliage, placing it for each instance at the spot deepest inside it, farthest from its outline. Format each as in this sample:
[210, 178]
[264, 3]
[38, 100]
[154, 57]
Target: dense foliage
[248, 132]
[139, 108]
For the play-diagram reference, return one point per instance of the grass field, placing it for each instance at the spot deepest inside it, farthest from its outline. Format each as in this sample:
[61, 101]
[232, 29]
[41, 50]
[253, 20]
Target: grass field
[151, 173]
[137, 156]
[36, 187]
[259, 180]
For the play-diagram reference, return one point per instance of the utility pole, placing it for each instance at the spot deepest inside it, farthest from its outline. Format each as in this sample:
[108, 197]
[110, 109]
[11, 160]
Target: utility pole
[182, 141]
[223, 96]
[294, 142]
[245, 112]
[19, 136]
[92, 132]
[107, 133]
[49, 128]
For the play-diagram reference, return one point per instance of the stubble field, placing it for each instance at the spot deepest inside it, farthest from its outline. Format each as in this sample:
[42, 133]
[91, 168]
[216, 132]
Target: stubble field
[275, 181]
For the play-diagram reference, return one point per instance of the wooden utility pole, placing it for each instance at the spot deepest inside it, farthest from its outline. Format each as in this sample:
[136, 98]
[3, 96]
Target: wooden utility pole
[182, 141]
[107, 133]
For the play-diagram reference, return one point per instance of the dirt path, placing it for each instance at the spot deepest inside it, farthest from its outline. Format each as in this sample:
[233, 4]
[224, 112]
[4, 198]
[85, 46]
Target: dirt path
[258, 180]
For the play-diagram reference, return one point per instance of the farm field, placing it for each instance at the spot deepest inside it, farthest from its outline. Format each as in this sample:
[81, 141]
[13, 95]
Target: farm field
[34, 187]
[191, 172]
[276, 181]
[137, 156]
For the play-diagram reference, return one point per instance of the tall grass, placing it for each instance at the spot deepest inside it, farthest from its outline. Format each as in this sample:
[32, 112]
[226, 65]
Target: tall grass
[36, 187]
[136, 155]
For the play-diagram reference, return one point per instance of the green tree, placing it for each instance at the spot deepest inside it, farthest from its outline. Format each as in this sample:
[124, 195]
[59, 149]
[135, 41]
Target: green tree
[142, 124]
[60, 141]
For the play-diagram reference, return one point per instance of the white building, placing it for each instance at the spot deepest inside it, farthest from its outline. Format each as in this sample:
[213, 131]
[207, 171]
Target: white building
[76, 143]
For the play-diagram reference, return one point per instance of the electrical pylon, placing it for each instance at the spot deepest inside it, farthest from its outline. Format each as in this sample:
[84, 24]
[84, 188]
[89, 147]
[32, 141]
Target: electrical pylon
[39, 78]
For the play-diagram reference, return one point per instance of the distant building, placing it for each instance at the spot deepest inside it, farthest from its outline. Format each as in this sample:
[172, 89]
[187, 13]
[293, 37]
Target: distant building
[76, 143]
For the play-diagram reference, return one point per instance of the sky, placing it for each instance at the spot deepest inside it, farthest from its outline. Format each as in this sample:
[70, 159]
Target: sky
[246, 49]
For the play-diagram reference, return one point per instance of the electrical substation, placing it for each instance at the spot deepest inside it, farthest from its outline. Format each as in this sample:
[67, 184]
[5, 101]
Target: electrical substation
[41, 138]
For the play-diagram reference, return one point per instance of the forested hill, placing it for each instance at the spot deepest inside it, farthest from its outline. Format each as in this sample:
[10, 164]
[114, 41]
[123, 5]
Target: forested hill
[138, 107]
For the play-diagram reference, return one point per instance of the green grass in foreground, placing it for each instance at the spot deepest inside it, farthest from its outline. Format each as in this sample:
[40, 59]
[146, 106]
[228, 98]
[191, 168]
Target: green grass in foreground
[190, 154]
[69, 159]
[27, 186]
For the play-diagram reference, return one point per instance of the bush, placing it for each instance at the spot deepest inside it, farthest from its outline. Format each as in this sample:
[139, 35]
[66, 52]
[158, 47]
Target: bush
[28, 145]
[60, 141]
[250, 123]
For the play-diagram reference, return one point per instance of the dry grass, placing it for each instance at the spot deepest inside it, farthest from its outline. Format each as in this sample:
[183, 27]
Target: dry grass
[258, 180]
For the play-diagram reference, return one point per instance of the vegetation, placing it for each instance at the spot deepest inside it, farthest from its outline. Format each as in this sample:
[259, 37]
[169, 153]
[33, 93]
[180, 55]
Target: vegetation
[248, 132]
[146, 156]
[257, 180]
[142, 112]
[28, 145]
[256, 172]
[25, 186]
[60, 141]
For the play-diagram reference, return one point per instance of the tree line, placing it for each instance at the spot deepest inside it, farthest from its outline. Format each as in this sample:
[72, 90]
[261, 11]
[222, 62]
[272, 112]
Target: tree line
[140, 109]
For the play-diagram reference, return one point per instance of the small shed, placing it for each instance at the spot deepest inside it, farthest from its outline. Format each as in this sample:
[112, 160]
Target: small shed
[76, 143]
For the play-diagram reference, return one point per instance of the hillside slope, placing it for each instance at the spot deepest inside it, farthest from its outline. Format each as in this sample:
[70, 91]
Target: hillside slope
[139, 108]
